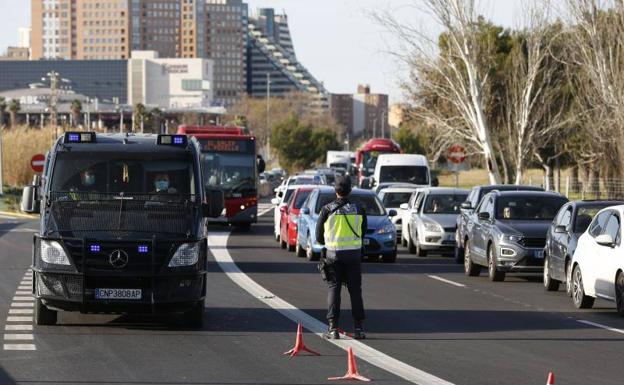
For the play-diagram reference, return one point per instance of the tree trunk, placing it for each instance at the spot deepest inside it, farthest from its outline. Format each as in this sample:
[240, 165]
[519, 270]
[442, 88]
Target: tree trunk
[519, 173]
[13, 119]
[548, 175]
[574, 179]
[594, 181]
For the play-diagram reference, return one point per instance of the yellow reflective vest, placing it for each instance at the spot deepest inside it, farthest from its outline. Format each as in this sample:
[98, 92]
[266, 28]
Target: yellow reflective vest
[343, 229]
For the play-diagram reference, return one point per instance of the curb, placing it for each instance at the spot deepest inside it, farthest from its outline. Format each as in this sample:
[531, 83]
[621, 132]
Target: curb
[18, 215]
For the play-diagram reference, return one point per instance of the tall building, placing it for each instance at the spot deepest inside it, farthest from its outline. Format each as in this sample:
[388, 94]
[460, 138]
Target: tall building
[363, 113]
[16, 53]
[272, 65]
[24, 37]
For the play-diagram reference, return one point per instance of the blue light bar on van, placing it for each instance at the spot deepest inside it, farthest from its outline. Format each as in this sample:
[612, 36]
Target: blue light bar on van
[143, 249]
[172, 140]
[79, 137]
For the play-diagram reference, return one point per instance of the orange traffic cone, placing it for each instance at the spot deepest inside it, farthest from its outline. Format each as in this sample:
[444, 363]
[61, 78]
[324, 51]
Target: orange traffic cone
[551, 379]
[299, 345]
[352, 371]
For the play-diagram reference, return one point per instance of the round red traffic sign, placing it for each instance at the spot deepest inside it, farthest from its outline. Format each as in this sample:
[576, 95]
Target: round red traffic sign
[456, 154]
[37, 162]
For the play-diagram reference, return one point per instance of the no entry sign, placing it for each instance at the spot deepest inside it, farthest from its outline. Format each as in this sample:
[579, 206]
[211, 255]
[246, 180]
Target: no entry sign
[456, 154]
[37, 162]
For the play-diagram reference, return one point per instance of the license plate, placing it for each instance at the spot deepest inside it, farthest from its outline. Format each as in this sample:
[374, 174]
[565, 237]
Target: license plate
[539, 254]
[366, 241]
[118, 293]
[450, 237]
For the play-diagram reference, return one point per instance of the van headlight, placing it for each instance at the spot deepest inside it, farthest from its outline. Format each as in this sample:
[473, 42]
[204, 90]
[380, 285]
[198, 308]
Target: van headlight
[53, 253]
[387, 228]
[187, 254]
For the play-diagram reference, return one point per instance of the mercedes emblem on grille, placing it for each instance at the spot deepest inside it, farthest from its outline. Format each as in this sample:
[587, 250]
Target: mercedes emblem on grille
[118, 259]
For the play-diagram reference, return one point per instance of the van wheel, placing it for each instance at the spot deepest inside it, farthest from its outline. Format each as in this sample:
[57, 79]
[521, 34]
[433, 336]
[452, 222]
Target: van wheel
[550, 284]
[580, 300]
[300, 251]
[194, 318]
[470, 268]
[43, 315]
[619, 293]
[494, 274]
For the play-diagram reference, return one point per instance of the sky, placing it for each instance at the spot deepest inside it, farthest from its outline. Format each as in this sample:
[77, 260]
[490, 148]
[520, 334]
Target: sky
[336, 40]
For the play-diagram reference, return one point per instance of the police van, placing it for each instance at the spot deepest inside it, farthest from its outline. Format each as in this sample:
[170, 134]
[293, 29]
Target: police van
[123, 226]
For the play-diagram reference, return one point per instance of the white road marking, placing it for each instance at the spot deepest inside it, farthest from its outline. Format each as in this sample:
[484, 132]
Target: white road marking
[19, 319]
[23, 298]
[612, 329]
[20, 347]
[261, 213]
[19, 230]
[20, 311]
[24, 292]
[22, 304]
[18, 337]
[24, 287]
[18, 327]
[446, 281]
[217, 242]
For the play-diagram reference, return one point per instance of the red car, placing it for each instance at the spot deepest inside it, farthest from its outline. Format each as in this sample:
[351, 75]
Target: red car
[290, 214]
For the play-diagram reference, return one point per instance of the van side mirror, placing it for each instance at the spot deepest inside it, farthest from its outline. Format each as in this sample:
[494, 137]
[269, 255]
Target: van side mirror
[30, 201]
[484, 216]
[214, 207]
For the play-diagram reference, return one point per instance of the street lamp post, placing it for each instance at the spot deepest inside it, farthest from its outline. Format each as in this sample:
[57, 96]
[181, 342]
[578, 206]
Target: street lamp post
[268, 116]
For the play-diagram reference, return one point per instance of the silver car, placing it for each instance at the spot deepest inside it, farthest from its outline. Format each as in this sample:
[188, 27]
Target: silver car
[433, 220]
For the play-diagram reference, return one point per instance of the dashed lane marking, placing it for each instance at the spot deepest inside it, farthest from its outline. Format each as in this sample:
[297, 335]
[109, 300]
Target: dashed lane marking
[19, 318]
[446, 281]
[261, 213]
[217, 243]
[612, 329]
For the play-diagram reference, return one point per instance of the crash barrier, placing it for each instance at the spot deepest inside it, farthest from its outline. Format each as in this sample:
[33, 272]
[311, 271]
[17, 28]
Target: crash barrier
[580, 188]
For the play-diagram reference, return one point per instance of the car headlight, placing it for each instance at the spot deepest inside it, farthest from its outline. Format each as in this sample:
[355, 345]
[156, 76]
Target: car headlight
[387, 228]
[509, 238]
[432, 227]
[186, 255]
[53, 253]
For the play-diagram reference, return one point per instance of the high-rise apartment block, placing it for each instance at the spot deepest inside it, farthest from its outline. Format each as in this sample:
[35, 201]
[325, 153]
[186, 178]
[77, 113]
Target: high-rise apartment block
[363, 113]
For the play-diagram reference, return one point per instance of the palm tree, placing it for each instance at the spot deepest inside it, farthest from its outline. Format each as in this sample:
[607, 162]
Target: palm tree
[76, 109]
[139, 116]
[156, 116]
[3, 106]
[14, 107]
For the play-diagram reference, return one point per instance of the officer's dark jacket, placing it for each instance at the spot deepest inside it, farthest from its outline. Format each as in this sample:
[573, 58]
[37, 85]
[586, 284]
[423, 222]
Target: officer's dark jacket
[320, 230]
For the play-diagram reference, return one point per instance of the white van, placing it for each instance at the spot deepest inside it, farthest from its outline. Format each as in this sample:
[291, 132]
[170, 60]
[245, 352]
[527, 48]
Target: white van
[401, 169]
[339, 159]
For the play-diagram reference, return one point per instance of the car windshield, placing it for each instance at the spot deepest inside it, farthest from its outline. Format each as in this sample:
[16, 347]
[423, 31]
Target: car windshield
[232, 172]
[444, 203]
[368, 202]
[404, 174]
[287, 194]
[395, 199]
[106, 173]
[584, 216]
[528, 208]
[300, 198]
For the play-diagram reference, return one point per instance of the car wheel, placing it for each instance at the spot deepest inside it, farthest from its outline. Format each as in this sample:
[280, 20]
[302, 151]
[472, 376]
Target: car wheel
[300, 251]
[43, 315]
[310, 254]
[290, 247]
[277, 237]
[403, 241]
[389, 258]
[470, 269]
[550, 284]
[580, 300]
[411, 248]
[419, 250]
[568, 275]
[619, 293]
[459, 254]
[283, 243]
[494, 274]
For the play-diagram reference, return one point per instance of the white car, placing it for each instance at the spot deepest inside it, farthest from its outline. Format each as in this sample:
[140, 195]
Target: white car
[598, 263]
[392, 199]
[282, 200]
[407, 209]
[301, 179]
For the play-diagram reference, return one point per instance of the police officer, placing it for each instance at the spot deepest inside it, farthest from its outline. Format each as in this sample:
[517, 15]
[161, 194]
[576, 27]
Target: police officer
[341, 227]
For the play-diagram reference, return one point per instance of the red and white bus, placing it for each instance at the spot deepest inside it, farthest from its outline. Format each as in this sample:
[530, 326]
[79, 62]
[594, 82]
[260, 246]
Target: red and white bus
[366, 155]
[230, 163]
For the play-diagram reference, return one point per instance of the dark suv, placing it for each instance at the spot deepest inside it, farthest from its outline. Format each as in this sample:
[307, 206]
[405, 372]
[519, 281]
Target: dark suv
[123, 226]
[509, 232]
[467, 209]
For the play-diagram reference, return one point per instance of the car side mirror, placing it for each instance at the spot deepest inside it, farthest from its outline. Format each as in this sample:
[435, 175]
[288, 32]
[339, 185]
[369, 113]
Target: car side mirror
[30, 201]
[605, 240]
[283, 209]
[466, 206]
[404, 206]
[305, 211]
[560, 229]
[280, 194]
[366, 183]
[275, 201]
[435, 182]
[484, 216]
[392, 213]
[214, 207]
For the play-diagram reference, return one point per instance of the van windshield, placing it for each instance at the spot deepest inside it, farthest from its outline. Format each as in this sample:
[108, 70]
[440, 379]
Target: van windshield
[114, 173]
[404, 174]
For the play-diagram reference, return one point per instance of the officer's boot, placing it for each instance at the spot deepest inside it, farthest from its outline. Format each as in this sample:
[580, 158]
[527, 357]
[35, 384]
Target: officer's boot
[358, 332]
[332, 331]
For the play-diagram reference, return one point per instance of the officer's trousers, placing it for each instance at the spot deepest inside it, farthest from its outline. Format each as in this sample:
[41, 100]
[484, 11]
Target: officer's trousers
[349, 272]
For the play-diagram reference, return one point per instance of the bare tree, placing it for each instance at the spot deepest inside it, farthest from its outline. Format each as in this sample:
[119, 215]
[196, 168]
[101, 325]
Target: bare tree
[456, 73]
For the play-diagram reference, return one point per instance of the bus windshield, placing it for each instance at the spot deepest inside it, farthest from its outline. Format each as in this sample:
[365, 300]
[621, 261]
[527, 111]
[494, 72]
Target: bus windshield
[232, 172]
[369, 161]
